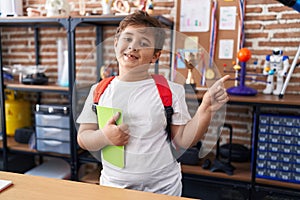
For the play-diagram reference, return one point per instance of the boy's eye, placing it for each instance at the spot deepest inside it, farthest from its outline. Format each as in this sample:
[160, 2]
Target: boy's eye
[127, 39]
[144, 44]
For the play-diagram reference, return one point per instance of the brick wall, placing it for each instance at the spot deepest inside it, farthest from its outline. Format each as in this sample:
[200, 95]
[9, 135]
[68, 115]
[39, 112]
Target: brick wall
[268, 24]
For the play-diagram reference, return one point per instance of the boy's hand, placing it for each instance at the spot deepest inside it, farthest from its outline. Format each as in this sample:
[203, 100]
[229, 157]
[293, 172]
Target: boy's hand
[117, 135]
[216, 96]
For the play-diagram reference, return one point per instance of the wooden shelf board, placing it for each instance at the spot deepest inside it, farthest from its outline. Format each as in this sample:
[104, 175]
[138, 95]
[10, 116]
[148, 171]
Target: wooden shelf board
[271, 100]
[278, 183]
[16, 146]
[12, 144]
[241, 173]
[24, 21]
[49, 87]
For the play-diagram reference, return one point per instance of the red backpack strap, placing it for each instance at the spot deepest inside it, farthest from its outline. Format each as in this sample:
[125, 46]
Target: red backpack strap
[166, 97]
[163, 89]
[102, 85]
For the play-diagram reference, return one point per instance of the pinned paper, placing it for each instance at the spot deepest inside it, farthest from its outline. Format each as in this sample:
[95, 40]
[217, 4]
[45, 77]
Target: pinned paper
[226, 49]
[194, 16]
[227, 17]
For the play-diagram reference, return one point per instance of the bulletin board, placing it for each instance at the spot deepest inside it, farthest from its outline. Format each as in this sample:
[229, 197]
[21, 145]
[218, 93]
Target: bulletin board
[217, 27]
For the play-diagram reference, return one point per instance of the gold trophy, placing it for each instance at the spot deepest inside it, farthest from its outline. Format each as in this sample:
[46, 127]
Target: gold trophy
[190, 85]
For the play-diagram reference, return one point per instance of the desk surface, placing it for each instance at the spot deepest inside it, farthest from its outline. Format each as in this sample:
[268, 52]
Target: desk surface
[27, 187]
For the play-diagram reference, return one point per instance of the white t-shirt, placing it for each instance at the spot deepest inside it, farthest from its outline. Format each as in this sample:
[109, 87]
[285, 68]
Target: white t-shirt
[149, 163]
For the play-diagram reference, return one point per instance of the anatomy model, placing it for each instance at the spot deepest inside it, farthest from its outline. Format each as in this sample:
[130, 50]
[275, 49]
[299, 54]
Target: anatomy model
[275, 65]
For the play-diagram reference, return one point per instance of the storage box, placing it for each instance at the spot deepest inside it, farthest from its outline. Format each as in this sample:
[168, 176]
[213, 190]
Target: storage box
[52, 120]
[52, 133]
[278, 155]
[52, 128]
[52, 109]
[52, 116]
[54, 146]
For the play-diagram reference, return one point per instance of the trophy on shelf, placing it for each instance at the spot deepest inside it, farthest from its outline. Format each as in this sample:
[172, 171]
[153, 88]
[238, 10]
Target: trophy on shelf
[190, 84]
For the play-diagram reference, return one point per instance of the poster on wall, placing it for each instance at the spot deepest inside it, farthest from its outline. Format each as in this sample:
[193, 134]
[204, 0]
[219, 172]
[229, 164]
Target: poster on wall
[194, 15]
[227, 18]
[226, 49]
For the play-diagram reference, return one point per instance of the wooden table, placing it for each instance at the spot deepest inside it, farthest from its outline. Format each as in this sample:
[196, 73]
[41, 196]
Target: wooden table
[27, 187]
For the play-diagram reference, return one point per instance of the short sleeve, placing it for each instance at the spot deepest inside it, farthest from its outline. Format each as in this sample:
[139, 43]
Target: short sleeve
[87, 115]
[181, 114]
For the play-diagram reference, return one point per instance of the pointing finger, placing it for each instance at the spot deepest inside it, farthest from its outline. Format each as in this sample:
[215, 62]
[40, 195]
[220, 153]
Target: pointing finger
[225, 78]
[220, 83]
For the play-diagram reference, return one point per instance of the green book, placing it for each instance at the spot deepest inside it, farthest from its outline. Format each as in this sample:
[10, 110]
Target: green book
[112, 154]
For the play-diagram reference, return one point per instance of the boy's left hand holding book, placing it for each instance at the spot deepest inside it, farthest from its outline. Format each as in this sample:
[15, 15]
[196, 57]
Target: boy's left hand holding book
[117, 135]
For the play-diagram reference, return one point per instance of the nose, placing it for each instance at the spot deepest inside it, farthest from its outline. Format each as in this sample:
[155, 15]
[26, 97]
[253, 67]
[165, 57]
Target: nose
[133, 46]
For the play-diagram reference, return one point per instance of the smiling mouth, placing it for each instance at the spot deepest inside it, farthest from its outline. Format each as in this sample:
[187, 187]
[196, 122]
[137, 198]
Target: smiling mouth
[130, 56]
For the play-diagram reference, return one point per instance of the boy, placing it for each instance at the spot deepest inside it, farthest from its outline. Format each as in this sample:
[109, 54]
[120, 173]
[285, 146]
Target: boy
[149, 163]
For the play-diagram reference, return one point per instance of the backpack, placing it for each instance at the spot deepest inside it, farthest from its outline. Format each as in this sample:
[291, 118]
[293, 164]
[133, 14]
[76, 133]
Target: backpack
[164, 93]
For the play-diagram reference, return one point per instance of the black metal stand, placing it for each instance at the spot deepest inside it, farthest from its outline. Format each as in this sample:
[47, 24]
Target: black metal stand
[221, 165]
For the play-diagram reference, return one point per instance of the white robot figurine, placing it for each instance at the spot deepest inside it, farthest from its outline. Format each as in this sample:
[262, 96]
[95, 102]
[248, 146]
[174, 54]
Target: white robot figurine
[275, 65]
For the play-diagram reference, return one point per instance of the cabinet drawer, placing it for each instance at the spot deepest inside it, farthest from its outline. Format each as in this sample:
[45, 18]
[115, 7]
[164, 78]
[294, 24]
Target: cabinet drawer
[58, 121]
[54, 146]
[52, 133]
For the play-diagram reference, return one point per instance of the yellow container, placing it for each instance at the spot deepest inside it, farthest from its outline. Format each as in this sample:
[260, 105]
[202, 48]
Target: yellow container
[17, 113]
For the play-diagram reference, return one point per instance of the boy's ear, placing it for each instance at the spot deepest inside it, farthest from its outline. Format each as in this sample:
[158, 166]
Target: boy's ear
[156, 57]
[115, 42]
